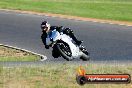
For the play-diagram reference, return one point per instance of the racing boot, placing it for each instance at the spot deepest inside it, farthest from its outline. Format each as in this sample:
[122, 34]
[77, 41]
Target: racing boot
[69, 32]
[78, 42]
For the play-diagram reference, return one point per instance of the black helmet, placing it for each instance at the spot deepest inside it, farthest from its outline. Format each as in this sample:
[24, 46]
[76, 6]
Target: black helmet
[43, 24]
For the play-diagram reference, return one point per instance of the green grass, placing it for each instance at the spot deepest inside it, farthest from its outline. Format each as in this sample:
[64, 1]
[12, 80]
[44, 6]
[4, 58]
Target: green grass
[58, 75]
[8, 54]
[103, 9]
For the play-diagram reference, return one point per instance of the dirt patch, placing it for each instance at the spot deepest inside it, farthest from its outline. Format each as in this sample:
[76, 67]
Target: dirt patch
[73, 17]
[4, 51]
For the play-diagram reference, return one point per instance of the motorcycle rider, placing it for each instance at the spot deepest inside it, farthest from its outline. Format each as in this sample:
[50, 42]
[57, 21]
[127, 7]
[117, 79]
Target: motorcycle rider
[46, 29]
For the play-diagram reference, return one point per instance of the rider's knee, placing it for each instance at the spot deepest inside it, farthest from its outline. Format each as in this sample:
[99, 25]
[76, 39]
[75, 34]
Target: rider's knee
[68, 31]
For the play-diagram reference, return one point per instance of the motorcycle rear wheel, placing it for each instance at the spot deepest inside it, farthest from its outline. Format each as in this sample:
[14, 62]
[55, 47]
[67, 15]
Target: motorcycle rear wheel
[85, 56]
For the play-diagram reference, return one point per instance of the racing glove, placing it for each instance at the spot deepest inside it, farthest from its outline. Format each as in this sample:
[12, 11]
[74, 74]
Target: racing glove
[47, 46]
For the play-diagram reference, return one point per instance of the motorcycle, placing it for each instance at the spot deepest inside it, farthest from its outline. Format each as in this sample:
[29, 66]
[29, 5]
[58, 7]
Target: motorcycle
[63, 45]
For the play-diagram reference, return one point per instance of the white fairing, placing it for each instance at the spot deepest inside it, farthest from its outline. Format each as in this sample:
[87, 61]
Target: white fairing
[76, 53]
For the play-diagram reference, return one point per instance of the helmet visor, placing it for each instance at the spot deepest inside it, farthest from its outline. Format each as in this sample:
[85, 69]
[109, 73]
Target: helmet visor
[43, 26]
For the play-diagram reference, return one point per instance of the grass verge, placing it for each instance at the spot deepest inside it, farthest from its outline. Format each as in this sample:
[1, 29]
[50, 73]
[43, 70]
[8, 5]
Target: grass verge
[102, 9]
[58, 76]
[8, 54]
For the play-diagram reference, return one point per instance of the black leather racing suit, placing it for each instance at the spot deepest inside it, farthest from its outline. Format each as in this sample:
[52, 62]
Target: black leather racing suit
[66, 31]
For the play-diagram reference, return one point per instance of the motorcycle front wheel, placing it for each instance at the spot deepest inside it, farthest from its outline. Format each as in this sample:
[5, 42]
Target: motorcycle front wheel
[64, 51]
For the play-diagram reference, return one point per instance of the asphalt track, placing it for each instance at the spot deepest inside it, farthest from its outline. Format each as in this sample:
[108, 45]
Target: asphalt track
[105, 42]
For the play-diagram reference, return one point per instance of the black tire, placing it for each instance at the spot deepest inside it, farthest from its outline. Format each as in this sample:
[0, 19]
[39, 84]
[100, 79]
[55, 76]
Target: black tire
[85, 56]
[81, 80]
[68, 58]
